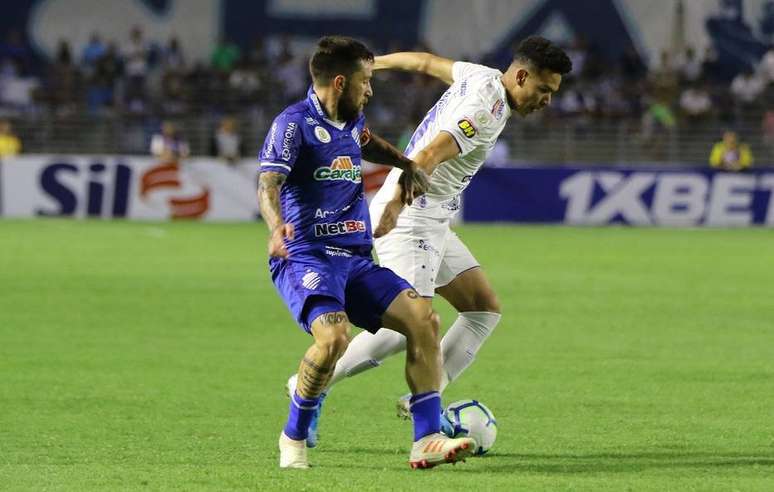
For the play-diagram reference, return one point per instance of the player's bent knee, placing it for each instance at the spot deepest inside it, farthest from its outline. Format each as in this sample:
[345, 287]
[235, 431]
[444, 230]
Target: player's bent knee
[331, 333]
[485, 301]
[424, 330]
[491, 304]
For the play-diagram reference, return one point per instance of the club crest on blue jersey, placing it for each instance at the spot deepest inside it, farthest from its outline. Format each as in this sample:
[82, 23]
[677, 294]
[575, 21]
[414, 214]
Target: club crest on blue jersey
[341, 169]
[322, 134]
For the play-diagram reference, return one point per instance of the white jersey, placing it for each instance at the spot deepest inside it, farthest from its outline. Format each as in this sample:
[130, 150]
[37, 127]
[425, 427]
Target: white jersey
[473, 110]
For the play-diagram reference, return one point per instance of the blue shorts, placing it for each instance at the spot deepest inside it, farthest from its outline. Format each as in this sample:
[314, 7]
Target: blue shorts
[315, 282]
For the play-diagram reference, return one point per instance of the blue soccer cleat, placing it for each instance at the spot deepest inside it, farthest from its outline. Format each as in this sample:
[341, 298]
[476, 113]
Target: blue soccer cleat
[313, 436]
[446, 426]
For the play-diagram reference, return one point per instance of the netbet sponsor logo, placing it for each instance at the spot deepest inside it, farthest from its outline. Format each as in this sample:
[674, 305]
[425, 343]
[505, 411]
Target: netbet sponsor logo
[341, 169]
[287, 140]
[338, 228]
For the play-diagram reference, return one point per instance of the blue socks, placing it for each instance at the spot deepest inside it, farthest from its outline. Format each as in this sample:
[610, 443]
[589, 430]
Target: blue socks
[426, 413]
[301, 413]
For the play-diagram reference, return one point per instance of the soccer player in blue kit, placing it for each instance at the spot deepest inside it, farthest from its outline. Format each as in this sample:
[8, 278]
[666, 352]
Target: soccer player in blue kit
[311, 196]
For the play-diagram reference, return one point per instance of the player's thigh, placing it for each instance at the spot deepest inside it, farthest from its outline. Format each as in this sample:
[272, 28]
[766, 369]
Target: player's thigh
[370, 291]
[307, 280]
[463, 282]
[411, 315]
[414, 251]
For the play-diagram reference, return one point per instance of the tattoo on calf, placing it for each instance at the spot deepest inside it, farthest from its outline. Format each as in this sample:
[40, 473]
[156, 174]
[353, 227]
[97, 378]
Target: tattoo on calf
[313, 378]
[412, 294]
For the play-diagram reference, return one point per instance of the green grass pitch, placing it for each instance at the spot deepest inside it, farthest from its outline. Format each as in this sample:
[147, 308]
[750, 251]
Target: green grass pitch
[153, 356]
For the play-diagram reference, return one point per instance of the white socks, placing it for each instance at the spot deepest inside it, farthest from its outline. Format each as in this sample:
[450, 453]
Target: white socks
[367, 350]
[461, 343]
[458, 346]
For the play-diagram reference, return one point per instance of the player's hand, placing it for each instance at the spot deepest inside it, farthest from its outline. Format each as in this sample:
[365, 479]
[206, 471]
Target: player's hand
[389, 218]
[277, 246]
[413, 183]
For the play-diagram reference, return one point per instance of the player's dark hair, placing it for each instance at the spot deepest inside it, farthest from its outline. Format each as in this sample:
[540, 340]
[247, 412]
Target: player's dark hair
[337, 55]
[543, 54]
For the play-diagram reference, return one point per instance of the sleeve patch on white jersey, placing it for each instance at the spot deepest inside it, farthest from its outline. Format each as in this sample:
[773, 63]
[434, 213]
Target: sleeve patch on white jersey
[467, 127]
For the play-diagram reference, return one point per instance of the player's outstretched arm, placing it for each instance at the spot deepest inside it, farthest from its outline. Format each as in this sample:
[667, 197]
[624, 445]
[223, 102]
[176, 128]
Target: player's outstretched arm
[413, 179]
[411, 61]
[442, 148]
[269, 184]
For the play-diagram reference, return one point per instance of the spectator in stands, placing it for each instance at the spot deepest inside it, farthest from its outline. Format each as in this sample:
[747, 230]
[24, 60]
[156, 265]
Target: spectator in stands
[173, 88]
[664, 80]
[10, 144]
[102, 84]
[62, 80]
[766, 66]
[226, 143]
[91, 55]
[746, 87]
[730, 155]
[695, 104]
[168, 146]
[15, 49]
[172, 57]
[690, 67]
[767, 131]
[225, 56]
[16, 91]
[135, 56]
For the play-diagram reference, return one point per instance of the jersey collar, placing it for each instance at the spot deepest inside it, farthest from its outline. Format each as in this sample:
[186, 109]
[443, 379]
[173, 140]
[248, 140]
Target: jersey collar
[314, 102]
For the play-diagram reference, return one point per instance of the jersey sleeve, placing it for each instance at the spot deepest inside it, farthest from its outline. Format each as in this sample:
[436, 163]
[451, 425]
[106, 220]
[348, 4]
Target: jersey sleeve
[471, 125]
[282, 145]
[463, 70]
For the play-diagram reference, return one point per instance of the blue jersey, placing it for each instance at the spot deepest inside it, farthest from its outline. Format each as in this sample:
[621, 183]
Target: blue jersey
[323, 194]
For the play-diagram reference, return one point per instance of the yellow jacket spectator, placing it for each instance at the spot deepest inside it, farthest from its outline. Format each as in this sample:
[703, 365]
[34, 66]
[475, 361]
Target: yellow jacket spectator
[10, 145]
[730, 155]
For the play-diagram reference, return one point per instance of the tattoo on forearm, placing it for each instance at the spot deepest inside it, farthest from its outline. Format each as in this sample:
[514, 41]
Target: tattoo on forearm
[269, 184]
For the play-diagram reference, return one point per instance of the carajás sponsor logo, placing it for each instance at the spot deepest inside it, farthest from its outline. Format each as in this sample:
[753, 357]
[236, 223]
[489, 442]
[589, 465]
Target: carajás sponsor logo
[341, 169]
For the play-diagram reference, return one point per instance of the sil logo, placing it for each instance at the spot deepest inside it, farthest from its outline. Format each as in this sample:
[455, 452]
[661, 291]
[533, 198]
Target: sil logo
[164, 186]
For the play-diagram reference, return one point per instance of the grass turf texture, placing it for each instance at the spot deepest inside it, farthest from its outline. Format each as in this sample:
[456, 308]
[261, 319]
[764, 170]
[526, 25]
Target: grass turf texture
[153, 356]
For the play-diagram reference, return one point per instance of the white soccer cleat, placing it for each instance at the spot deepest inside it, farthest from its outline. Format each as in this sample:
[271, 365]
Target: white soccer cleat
[292, 453]
[437, 449]
[403, 406]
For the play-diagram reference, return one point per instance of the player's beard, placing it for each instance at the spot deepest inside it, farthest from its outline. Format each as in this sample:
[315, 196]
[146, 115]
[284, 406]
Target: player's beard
[348, 107]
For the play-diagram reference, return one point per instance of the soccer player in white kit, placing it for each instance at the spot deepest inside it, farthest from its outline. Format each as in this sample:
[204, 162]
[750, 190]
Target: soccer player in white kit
[450, 144]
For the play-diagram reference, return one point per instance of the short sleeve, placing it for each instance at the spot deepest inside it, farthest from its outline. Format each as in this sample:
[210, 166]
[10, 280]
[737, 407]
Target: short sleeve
[463, 70]
[471, 126]
[282, 145]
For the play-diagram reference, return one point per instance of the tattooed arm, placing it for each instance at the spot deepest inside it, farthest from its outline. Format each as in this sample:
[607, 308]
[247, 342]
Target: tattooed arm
[413, 180]
[269, 184]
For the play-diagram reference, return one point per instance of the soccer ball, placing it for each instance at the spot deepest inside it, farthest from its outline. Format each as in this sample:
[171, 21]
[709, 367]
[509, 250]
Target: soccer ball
[472, 418]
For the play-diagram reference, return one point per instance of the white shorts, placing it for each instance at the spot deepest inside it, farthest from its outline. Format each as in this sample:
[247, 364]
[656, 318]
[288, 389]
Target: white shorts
[425, 252]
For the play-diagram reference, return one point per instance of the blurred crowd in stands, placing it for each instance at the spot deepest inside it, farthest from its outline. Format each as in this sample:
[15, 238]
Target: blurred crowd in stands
[136, 77]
